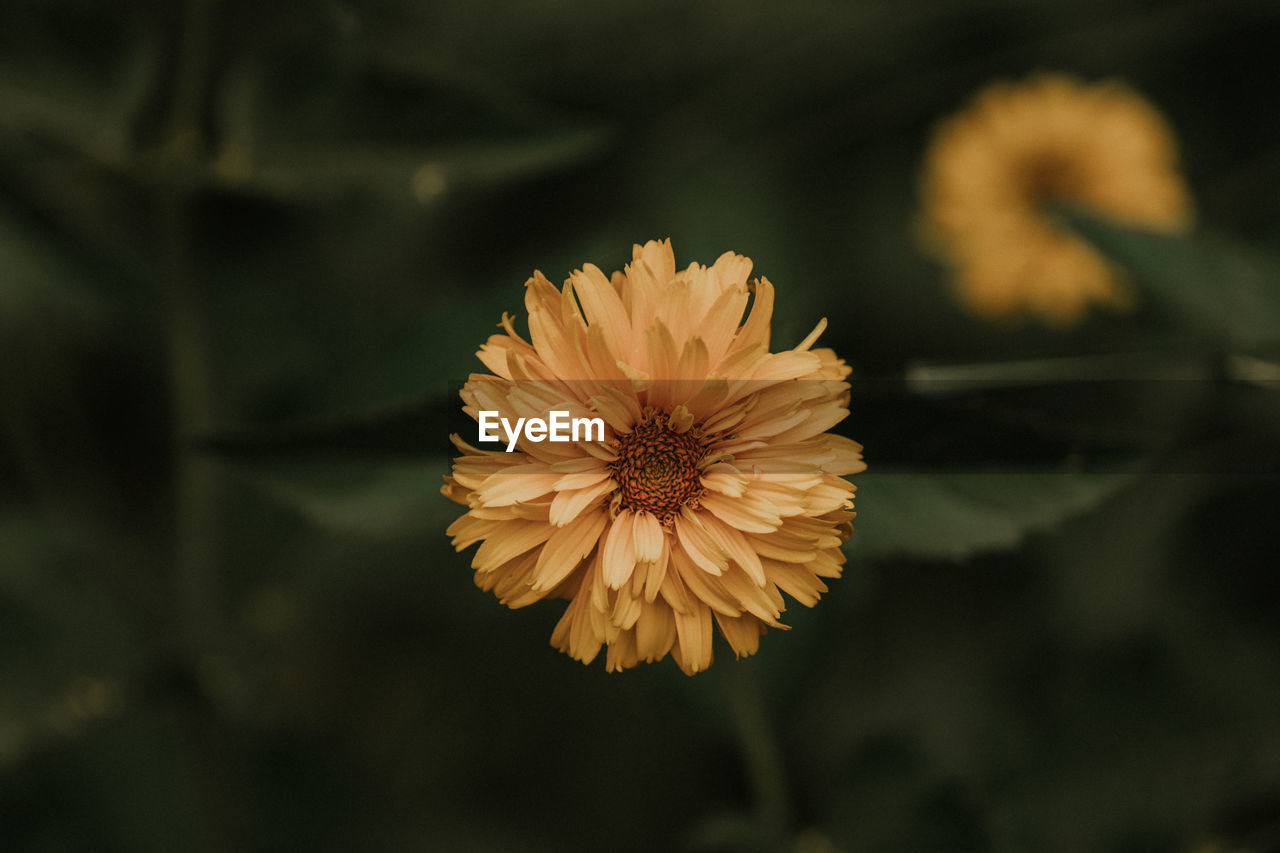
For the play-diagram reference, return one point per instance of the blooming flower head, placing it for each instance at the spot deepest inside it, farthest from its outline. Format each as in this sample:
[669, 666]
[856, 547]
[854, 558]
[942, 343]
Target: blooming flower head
[713, 490]
[991, 168]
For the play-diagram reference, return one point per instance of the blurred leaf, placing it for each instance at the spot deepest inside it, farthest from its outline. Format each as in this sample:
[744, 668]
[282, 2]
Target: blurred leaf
[146, 782]
[42, 289]
[416, 428]
[1108, 402]
[336, 124]
[78, 78]
[49, 320]
[954, 515]
[375, 499]
[434, 352]
[67, 649]
[358, 307]
[724, 831]
[1225, 288]
[426, 173]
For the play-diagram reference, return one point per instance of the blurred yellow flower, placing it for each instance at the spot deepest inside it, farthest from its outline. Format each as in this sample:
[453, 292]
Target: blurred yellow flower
[714, 489]
[990, 169]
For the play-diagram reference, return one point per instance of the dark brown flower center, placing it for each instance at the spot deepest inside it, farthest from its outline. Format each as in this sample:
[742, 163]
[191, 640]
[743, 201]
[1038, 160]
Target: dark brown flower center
[1051, 177]
[657, 467]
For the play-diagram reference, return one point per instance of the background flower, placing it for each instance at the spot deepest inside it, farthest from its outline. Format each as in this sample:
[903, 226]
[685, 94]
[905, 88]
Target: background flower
[992, 169]
[714, 489]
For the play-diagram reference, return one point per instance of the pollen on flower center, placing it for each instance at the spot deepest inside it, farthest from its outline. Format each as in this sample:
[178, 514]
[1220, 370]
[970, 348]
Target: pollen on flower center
[657, 467]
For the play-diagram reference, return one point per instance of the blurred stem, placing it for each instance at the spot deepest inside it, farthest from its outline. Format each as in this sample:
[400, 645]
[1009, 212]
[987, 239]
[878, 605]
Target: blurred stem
[926, 378]
[941, 379]
[196, 486]
[758, 745]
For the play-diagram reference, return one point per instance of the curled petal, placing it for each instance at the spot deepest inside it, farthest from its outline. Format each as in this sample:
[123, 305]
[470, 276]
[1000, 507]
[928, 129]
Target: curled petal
[714, 492]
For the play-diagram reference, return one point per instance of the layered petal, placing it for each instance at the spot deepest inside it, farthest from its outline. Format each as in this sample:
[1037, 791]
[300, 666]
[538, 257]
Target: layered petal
[715, 490]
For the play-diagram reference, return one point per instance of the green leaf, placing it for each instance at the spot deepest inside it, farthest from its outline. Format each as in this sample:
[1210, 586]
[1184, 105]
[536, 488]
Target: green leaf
[414, 428]
[1225, 288]
[426, 173]
[723, 830]
[50, 320]
[147, 781]
[435, 345]
[372, 499]
[77, 78]
[954, 515]
[40, 284]
[339, 125]
[1090, 404]
[68, 650]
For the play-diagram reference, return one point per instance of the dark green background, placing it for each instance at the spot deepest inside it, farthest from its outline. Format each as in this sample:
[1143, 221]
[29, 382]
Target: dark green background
[247, 251]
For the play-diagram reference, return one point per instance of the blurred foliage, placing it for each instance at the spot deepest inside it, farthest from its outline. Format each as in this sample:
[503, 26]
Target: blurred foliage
[247, 251]
[1228, 291]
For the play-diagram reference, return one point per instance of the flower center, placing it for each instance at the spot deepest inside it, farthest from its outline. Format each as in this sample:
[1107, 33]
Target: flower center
[657, 467]
[1051, 177]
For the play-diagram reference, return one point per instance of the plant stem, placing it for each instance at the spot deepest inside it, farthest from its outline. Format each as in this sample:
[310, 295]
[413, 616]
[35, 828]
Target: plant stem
[942, 379]
[196, 481]
[758, 745]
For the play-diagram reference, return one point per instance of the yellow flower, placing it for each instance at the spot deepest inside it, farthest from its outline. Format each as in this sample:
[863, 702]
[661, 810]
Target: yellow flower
[991, 168]
[714, 488]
